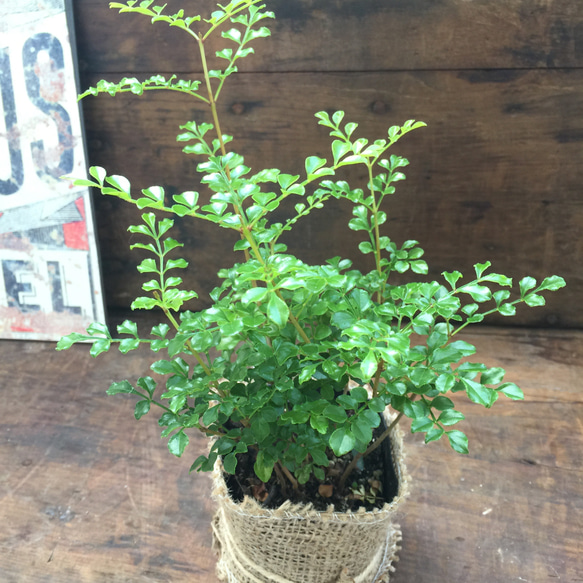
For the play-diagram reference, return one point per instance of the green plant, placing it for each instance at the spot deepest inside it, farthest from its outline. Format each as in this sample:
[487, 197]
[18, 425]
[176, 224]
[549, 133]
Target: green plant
[294, 362]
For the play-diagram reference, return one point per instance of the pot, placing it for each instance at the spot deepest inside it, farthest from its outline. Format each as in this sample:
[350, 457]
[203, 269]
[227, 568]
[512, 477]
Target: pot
[297, 544]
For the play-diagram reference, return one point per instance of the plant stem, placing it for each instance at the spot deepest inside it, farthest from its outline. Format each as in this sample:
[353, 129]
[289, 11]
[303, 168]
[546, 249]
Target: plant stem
[245, 231]
[377, 379]
[376, 221]
[211, 97]
[280, 478]
[289, 476]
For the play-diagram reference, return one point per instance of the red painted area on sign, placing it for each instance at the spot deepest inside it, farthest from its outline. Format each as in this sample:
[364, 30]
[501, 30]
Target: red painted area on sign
[21, 329]
[76, 233]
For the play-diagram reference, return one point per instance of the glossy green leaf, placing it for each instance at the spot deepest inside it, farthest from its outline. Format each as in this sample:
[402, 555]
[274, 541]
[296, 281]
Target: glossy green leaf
[123, 387]
[335, 413]
[319, 423]
[452, 277]
[419, 266]
[343, 320]
[342, 441]
[492, 376]
[450, 417]
[98, 173]
[479, 293]
[480, 394]
[359, 394]
[534, 300]
[369, 365]
[128, 344]
[148, 384]
[313, 164]
[100, 346]
[362, 429]
[458, 441]
[481, 267]
[142, 407]
[507, 310]
[97, 328]
[255, 294]
[434, 433]
[552, 283]
[525, 284]
[442, 403]
[512, 391]
[277, 310]
[67, 341]
[177, 443]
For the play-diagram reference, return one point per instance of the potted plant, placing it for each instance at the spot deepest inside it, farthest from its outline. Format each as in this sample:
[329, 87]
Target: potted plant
[298, 373]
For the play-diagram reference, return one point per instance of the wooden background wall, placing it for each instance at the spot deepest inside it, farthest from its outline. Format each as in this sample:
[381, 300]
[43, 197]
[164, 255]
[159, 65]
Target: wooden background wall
[496, 175]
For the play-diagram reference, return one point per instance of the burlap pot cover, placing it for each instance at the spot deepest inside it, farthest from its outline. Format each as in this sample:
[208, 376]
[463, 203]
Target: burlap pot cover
[297, 544]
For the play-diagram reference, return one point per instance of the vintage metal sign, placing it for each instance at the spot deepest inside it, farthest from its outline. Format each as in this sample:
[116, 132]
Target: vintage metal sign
[49, 273]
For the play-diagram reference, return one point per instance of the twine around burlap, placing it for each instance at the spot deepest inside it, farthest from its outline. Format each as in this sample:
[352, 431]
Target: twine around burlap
[297, 544]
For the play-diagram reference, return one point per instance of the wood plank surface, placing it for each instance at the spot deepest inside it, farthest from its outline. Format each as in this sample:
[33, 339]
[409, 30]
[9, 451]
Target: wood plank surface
[351, 35]
[88, 495]
[496, 175]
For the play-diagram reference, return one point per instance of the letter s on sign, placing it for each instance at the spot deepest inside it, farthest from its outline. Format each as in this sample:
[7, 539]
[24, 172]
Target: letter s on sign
[45, 87]
[12, 184]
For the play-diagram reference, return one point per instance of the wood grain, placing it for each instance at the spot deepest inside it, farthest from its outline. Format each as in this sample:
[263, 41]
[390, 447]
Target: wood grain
[496, 174]
[88, 495]
[351, 35]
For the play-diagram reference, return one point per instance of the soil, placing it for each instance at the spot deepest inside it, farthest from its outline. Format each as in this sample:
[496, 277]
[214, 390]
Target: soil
[370, 486]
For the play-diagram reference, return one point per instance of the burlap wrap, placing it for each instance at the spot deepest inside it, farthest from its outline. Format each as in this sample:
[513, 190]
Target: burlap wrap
[297, 544]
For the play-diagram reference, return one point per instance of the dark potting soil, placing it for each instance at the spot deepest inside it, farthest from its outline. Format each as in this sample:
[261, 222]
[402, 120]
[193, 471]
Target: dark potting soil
[372, 483]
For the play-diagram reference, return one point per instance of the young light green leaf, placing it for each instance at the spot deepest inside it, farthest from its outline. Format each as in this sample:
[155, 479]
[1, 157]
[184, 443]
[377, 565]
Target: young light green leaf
[512, 391]
[128, 344]
[507, 310]
[128, 327]
[525, 284]
[98, 173]
[99, 346]
[67, 341]
[479, 293]
[313, 164]
[340, 149]
[552, 283]
[368, 366]
[253, 295]
[481, 267]
[498, 278]
[277, 310]
[533, 300]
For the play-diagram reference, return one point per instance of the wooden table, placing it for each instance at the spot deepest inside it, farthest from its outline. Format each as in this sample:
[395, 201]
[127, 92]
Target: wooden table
[88, 495]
